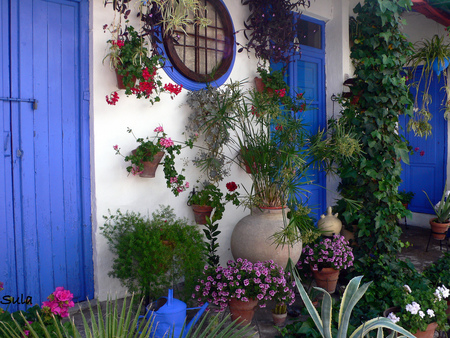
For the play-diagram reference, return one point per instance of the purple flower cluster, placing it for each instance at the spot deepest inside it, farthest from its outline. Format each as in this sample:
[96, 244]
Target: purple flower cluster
[328, 252]
[244, 280]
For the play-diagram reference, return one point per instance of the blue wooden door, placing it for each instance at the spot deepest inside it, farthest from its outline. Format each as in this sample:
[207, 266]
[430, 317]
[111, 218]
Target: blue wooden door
[428, 164]
[45, 185]
[306, 73]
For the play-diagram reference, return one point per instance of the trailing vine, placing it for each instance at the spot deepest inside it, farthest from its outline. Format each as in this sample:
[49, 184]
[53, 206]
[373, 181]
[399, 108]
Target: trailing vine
[379, 94]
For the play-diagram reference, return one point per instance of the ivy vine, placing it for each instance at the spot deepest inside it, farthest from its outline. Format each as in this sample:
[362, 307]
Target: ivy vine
[379, 94]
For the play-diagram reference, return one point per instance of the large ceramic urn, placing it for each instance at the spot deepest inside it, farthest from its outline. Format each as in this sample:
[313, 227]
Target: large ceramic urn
[252, 238]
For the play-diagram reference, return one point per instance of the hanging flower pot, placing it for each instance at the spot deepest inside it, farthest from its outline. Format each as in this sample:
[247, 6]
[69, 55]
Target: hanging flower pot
[120, 83]
[440, 65]
[326, 278]
[438, 230]
[200, 213]
[242, 311]
[151, 166]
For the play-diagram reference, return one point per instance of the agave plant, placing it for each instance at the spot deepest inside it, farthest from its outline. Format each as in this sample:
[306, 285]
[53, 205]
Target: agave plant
[122, 323]
[352, 295]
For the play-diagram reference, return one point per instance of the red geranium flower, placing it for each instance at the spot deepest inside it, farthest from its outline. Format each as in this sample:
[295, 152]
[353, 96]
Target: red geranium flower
[231, 186]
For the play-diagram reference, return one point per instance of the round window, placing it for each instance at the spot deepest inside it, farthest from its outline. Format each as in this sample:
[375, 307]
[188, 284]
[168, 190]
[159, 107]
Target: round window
[202, 55]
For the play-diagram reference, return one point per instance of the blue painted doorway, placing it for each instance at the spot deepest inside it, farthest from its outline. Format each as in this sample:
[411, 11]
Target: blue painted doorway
[306, 74]
[428, 165]
[45, 223]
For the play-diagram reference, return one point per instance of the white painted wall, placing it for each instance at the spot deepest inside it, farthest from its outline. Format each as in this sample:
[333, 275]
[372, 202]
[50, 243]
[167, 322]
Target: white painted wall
[113, 189]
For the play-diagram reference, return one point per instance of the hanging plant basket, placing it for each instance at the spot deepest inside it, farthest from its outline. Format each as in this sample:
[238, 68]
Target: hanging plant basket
[439, 66]
[200, 213]
[120, 83]
[151, 166]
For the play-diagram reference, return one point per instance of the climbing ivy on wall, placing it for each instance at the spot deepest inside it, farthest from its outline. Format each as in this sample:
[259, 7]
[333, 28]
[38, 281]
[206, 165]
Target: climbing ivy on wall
[379, 95]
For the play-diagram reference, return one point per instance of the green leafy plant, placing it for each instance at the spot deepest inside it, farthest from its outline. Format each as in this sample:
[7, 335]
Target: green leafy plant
[151, 254]
[211, 195]
[439, 272]
[418, 308]
[405, 196]
[442, 208]
[129, 56]
[146, 152]
[378, 54]
[426, 53]
[352, 294]
[211, 244]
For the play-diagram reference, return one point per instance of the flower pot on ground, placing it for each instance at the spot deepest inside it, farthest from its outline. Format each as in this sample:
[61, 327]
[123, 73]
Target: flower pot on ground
[242, 311]
[421, 310]
[326, 278]
[252, 238]
[325, 257]
[279, 314]
[242, 280]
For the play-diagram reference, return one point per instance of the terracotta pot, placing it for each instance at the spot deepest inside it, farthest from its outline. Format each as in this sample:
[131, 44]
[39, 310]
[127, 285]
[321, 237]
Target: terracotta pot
[260, 87]
[200, 213]
[242, 311]
[252, 238]
[279, 319]
[150, 167]
[248, 169]
[120, 83]
[326, 278]
[438, 230]
[428, 333]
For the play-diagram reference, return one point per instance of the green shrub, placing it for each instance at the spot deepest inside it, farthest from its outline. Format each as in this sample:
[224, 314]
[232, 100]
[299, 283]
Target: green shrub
[153, 254]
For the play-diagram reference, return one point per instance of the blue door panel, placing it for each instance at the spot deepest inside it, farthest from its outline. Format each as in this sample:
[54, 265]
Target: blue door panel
[427, 168]
[50, 182]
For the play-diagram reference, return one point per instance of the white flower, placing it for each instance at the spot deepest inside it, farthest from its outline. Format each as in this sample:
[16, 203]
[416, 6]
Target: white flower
[413, 308]
[438, 295]
[421, 314]
[444, 291]
[407, 288]
[393, 317]
[437, 205]
[430, 313]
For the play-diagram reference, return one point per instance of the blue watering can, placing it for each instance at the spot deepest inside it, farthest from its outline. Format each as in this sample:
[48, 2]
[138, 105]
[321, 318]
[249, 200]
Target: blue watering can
[169, 317]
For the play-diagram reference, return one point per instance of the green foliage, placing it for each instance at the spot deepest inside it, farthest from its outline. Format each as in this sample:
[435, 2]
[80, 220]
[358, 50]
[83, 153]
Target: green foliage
[405, 196]
[33, 320]
[379, 53]
[211, 233]
[439, 272]
[152, 254]
[426, 52]
[350, 298]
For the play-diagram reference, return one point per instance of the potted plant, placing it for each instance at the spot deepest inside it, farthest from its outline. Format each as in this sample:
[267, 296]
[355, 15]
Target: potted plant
[152, 253]
[146, 157]
[405, 197]
[438, 274]
[440, 223]
[434, 56]
[420, 311]
[210, 198]
[325, 258]
[242, 286]
[137, 72]
[271, 30]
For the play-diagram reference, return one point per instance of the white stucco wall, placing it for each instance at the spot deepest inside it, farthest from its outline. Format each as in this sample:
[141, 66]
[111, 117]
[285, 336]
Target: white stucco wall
[113, 189]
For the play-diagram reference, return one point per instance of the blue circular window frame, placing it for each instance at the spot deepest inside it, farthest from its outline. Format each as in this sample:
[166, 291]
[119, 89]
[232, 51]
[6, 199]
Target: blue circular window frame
[189, 84]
